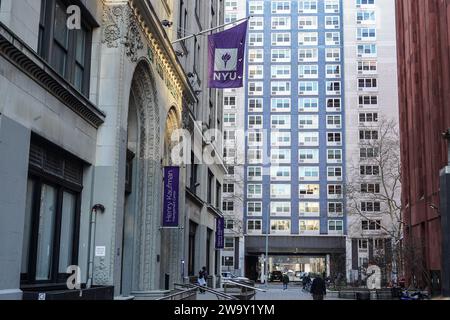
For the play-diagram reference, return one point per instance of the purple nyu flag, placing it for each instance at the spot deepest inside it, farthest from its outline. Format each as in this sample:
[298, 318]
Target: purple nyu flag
[171, 200]
[220, 233]
[226, 57]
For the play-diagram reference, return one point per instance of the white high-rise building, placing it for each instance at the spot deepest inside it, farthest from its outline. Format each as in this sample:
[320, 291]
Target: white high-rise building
[234, 153]
[371, 99]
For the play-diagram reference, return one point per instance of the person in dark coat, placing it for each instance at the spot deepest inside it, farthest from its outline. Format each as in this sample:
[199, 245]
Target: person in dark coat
[318, 288]
[306, 281]
[202, 279]
[285, 281]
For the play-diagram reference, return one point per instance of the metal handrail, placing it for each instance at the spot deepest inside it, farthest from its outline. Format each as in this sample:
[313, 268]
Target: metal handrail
[215, 292]
[170, 296]
[243, 285]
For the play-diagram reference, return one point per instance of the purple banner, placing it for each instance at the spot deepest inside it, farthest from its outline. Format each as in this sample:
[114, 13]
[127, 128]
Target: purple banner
[220, 233]
[171, 197]
[226, 57]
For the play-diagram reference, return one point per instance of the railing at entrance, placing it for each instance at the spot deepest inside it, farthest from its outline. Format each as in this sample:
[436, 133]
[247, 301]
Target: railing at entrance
[181, 294]
[218, 294]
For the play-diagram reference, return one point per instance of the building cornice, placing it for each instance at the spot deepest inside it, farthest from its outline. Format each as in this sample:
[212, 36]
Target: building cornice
[17, 52]
[151, 25]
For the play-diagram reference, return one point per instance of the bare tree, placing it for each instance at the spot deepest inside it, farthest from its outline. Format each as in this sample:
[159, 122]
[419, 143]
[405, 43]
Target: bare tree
[415, 265]
[373, 190]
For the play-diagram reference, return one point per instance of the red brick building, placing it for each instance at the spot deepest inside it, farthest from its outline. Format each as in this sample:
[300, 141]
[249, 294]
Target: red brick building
[423, 34]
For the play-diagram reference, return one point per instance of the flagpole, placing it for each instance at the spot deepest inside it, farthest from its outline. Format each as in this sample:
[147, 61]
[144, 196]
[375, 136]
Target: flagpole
[211, 29]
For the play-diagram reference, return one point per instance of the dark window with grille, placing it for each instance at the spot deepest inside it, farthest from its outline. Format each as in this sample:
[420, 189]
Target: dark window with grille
[129, 172]
[67, 51]
[191, 258]
[52, 217]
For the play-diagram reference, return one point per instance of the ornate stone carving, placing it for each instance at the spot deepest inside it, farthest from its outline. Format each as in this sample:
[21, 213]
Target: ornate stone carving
[101, 273]
[112, 22]
[120, 27]
[133, 41]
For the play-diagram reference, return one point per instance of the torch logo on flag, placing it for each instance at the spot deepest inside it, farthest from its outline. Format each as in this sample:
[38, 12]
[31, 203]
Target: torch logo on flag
[226, 57]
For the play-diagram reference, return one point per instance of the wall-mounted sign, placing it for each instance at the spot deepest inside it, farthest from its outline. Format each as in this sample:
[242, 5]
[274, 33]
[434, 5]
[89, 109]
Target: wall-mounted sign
[100, 251]
[171, 197]
[220, 233]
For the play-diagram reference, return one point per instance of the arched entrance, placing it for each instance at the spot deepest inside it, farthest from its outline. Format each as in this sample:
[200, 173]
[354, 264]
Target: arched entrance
[141, 238]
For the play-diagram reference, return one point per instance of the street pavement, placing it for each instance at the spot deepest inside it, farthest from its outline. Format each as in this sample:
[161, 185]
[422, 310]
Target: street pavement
[273, 292]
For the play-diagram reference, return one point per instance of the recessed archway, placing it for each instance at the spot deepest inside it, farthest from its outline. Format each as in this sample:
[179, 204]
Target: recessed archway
[140, 270]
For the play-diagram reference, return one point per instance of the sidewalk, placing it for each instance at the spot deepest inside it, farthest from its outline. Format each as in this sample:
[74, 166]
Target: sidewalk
[274, 292]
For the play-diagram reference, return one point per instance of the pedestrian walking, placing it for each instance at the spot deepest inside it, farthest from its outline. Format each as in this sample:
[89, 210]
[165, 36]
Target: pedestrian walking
[318, 288]
[285, 281]
[202, 276]
[306, 281]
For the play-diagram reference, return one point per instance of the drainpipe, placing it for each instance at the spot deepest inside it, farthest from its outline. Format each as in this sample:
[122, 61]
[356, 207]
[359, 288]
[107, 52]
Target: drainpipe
[92, 227]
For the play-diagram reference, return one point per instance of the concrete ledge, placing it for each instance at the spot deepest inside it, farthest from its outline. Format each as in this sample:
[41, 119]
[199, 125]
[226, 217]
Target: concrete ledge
[12, 294]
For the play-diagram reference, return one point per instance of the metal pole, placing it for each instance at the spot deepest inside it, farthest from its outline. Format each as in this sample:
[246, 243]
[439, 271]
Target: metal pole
[266, 264]
[211, 29]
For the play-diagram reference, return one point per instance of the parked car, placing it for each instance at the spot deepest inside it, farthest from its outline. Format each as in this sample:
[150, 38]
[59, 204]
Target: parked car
[276, 276]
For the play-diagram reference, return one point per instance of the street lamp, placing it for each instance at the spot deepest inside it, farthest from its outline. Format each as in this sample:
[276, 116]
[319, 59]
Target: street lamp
[266, 262]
